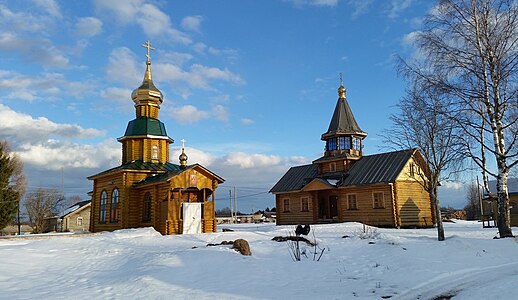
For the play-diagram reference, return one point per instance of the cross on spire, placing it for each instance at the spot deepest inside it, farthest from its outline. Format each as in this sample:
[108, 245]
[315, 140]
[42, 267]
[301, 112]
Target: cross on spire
[183, 143]
[149, 48]
[341, 81]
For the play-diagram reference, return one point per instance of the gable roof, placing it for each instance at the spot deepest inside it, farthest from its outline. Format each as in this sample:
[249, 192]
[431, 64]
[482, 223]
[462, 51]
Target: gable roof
[296, 178]
[378, 168]
[168, 175]
[343, 121]
[371, 169]
[76, 207]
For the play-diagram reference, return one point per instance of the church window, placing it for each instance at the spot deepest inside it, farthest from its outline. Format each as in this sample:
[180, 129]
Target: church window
[146, 215]
[286, 205]
[79, 221]
[304, 204]
[331, 144]
[154, 152]
[356, 143]
[344, 142]
[352, 203]
[102, 207]
[114, 208]
[378, 200]
[332, 167]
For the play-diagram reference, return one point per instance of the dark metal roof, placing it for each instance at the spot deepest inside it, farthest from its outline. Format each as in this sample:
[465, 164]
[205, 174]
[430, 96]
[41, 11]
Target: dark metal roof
[296, 178]
[378, 168]
[512, 186]
[343, 121]
[165, 176]
[371, 169]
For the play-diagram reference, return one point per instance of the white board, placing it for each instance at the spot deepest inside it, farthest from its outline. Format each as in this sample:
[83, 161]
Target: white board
[191, 218]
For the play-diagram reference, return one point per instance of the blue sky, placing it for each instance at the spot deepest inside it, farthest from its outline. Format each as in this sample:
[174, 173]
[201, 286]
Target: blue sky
[250, 85]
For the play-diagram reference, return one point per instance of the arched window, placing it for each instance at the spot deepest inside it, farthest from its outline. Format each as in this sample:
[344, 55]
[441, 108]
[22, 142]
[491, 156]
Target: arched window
[102, 207]
[146, 215]
[114, 208]
[154, 152]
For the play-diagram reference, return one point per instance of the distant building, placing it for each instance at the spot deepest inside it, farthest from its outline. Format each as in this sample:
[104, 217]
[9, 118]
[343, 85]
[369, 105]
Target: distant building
[146, 189]
[76, 217]
[489, 203]
[344, 185]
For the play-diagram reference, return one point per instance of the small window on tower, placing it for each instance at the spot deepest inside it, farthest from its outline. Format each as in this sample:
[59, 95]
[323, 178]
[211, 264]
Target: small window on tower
[154, 152]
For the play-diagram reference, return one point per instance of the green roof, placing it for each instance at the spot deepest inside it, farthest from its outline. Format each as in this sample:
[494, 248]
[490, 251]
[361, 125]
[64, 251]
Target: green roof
[145, 126]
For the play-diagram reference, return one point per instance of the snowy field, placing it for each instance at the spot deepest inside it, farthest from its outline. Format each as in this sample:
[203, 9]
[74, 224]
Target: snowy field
[142, 264]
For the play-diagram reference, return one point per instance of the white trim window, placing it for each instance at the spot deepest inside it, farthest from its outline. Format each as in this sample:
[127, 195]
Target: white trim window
[352, 203]
[286, 205]
[378, 200]
[79, 221]
[304, 203]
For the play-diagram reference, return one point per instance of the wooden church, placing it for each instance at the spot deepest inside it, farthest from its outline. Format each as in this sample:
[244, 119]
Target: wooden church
[346, 186]
[146, 190]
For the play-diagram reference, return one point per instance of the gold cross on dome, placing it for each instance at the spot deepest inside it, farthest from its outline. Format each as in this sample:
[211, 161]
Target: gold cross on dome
[183, 142]
[341, 82]
[148, 46]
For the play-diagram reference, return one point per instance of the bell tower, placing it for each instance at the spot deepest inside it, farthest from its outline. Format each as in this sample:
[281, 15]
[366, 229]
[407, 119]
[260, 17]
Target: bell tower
[145, 138]
[344, 138]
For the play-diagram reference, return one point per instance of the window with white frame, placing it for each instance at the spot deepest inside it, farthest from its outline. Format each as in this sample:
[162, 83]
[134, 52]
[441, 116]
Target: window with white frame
[304, 204]
[378, 200]
[79, 221]
[286, 205]
[352, 203]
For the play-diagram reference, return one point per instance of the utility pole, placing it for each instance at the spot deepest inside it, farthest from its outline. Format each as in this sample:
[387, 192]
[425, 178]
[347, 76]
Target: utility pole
[230, 206]
[235, 204]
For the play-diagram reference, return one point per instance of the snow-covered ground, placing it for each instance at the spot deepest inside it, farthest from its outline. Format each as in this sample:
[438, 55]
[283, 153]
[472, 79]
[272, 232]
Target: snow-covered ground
[142, 264]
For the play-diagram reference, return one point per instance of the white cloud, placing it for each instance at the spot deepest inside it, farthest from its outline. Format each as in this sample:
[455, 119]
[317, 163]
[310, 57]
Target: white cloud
[216, 73]
[151, 19]
[176, 58]
[119, 95]
[54, 154]
[360, 7]
[246, 121]
[192, 23]
[197, 76]
[42, 86]
[453, 185]
[122, 67]
[398, 6]
[25, 129]
[247, 161]
[195, 156]
[50, 6]
[188, 114]
[331, 3]
[220, 113]
[89, 26]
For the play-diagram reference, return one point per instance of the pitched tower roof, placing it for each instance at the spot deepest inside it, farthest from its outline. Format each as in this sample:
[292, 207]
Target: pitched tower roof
[343, 121]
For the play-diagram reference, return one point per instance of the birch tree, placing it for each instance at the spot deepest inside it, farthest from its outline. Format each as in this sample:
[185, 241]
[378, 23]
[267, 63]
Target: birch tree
[470, 50]
[421, 123]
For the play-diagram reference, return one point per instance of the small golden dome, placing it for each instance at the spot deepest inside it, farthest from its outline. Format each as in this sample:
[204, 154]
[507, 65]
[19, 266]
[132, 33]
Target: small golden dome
[183, 158]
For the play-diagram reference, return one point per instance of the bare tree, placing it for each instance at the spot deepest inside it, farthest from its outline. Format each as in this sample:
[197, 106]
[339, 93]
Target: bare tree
[12, 184]
[422, 124]
[470, 50]
[472, 208]
[42, 204]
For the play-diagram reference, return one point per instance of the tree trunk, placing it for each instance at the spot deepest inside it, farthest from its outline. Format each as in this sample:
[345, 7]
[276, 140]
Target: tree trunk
[438, 216]
[504, 217]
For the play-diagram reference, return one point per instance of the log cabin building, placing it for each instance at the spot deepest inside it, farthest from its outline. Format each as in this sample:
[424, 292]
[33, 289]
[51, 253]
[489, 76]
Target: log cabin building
[344, 185]
[147, 190]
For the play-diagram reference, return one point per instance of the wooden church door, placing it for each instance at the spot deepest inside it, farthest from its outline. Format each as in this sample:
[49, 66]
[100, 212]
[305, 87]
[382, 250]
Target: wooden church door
[191, 217]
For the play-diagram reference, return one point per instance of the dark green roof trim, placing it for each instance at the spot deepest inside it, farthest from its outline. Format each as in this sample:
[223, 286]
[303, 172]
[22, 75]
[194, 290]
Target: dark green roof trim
[143, 126]
[139, 165]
